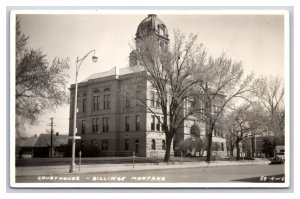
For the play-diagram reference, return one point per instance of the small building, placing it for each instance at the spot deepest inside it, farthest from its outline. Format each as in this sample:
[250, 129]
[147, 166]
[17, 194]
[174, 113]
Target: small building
[40, 146]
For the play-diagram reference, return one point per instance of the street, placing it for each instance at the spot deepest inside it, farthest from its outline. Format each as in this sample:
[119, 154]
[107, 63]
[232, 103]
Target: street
[244, 173]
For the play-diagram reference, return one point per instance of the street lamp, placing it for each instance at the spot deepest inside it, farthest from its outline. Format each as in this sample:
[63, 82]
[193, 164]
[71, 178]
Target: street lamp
[78, 64]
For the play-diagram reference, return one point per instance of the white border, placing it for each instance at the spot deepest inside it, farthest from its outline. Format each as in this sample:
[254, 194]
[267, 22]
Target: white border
[287, 66]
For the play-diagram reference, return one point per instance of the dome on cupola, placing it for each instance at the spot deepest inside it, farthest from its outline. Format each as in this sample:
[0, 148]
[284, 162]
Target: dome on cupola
[152, 25]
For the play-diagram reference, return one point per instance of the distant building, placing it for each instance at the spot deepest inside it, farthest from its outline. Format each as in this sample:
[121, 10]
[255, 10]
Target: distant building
[40, 146]
[111, 119]
[260, 145]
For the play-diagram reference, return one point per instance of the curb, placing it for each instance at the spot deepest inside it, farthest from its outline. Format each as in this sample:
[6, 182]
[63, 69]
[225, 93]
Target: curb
[107, 168]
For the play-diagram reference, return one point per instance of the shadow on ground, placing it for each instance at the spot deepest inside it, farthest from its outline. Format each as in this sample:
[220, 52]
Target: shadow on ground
[267, 179]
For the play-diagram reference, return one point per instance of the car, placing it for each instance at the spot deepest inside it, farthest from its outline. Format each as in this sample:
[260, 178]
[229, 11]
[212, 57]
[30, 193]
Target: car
[278, 159]
[27, 154]
[280, 156]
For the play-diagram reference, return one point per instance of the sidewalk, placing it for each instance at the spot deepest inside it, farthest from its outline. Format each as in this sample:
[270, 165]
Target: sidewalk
[104, 168]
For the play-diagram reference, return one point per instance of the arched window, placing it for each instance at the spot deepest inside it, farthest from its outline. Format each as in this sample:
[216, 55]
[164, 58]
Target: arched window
[153, 145]
[104, 145]
[163, 145]
[195, 132]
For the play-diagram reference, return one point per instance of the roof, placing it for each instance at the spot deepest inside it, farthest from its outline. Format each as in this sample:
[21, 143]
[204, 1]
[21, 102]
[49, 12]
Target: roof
[43, 140]
[111, 72]
[115, 71]
[151, 22]
[27, 142]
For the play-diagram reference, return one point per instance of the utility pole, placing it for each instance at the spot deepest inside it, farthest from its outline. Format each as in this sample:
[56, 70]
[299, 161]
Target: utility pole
[51, 139]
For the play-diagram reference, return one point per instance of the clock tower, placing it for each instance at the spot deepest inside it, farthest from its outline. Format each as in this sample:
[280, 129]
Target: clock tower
[150, 26]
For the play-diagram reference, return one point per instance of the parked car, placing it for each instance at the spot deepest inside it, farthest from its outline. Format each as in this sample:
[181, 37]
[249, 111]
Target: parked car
[280, 156]
[27, 154]
[278, 159]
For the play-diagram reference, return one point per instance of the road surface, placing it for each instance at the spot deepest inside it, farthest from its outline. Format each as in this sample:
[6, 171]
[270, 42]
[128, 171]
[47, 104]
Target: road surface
[245, 173]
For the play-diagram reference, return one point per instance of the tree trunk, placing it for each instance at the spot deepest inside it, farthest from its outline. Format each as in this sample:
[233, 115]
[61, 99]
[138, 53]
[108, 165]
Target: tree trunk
[209, 144]
[237, 150]
[231, 151]
[274, 147]
[168, 148]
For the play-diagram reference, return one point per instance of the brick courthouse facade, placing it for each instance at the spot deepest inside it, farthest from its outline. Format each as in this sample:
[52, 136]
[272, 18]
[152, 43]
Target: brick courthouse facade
[111, 117]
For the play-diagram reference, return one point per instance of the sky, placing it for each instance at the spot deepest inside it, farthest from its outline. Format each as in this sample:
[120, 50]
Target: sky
[256, 40]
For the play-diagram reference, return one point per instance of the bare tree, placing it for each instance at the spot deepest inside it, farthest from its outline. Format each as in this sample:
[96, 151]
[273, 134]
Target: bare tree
[270, 92]
[230, 140]
[183, 73]
[40, 85]
[170, 72]
[246, 121]
[220, 81]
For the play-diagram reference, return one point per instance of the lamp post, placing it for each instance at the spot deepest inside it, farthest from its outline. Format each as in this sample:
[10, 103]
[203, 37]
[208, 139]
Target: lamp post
[78, 64]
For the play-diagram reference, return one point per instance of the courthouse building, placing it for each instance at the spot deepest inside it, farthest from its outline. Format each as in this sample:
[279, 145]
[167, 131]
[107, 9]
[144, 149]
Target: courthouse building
[111, 117]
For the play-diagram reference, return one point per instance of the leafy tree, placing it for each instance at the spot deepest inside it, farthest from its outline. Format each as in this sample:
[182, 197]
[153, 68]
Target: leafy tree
[268, 148]
[40, 85]
[192, 146]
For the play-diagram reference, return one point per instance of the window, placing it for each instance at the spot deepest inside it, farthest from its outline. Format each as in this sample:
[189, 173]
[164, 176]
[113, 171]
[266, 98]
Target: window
[94, 143]
[162, 126]
[174, 146]
[152, 98]
[105, 127]
[104, 145]
[157, 100]
[153, 145]
[96, 103]
[83, 127]
[137, 123]
[95, 125]
[222, 147]
[163, 145]
[126, 123]
[137, 143]
[158, 124]
[192, 106]
[153, 123]
[138, 98]
[195, 131]
[84, 105]
[106, 101]
[126, 144]
[127, 102]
